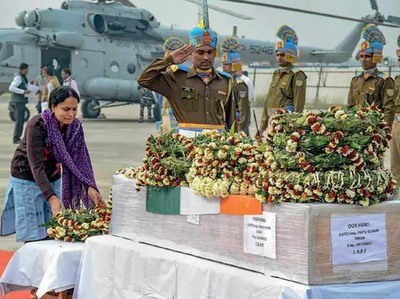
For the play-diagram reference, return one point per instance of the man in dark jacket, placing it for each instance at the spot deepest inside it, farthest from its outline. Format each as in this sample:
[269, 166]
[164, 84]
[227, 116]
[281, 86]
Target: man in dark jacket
[19, 99]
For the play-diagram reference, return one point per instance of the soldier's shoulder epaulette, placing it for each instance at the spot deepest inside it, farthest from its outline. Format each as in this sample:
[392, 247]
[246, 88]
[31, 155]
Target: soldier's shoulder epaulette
[227, 75]
[297, 72]
[181, 67]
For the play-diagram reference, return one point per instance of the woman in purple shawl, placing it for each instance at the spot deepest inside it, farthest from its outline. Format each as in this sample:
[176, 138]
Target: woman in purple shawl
[51, 160]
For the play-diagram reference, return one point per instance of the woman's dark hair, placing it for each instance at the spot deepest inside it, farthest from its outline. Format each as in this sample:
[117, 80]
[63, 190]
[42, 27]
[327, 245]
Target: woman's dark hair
[60, 94]
[50, 70]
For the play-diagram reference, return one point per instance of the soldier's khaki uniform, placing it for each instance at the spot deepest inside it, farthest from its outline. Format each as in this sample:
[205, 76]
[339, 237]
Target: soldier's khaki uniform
[377, 88]
[191, 99]
[241, 94]
[395, 144]
[288, 88]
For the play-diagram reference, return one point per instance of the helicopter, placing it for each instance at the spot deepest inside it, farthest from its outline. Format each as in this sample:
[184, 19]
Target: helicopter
[107, 44]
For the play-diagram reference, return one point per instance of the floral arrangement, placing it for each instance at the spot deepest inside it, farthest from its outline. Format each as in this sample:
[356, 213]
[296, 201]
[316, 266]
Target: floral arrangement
[224, 163]
[166, 162]
[77, 225]
[333, 157]
[344, 186]
[355, 139]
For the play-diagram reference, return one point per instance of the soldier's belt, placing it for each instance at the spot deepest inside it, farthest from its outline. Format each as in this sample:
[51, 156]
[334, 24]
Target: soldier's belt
[200, 127]
[190, 130]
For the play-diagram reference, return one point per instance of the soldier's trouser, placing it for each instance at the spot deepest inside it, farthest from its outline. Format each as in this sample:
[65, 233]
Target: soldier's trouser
[19, 120]
[395, 152]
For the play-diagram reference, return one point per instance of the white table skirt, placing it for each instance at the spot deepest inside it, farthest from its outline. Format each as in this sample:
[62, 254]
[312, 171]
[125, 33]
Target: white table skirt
[113, 267]
[46, 265]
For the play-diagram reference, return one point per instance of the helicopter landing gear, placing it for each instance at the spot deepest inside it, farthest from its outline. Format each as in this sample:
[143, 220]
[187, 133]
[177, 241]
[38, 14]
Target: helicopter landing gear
[90, 109]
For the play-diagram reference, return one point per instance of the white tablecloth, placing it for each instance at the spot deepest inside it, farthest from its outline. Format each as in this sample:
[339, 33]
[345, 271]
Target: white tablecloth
[113, 267]
[46, 265]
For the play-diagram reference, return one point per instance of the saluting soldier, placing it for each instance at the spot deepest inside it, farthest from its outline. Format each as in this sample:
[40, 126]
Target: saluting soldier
[372, 86]
[288, 85]
[232, 65]
[200, 96]
[395, 146]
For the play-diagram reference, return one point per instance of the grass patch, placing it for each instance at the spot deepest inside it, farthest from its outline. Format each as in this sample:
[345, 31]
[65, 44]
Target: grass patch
[5, 96]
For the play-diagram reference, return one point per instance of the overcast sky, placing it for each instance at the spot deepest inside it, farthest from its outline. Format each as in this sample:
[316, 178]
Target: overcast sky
[312, 30]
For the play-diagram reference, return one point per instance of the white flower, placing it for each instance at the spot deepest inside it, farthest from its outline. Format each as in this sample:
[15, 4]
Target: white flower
[260, 197]
[235, 188]
[221, 154]
[339, 114]
[297, 187]
[350, 193]
[252, 189]
[242, 160]
[60, 232]
[244, 188]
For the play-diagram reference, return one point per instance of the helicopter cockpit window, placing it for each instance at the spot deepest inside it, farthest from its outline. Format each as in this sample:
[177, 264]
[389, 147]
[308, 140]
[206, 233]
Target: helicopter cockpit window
[114, 66]
[6, 51]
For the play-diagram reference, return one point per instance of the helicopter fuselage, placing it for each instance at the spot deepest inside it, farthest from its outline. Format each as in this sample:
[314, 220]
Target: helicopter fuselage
[107, 46]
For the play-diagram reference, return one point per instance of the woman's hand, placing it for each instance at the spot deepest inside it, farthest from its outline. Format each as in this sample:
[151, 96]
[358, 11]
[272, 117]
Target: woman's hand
[55, 205]
[95, 196]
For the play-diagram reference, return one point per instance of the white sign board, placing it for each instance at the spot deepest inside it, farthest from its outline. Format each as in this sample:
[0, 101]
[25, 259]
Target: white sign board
[358, 238]
[193, 219]
[259, 234]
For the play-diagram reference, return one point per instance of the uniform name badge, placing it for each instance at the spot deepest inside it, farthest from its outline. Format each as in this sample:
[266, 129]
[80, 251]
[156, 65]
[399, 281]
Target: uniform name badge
[242, 94]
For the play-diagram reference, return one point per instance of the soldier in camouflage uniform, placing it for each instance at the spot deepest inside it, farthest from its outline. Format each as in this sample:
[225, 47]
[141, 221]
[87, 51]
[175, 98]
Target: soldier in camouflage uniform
[371, 85]
[395, 146]
[288, 85]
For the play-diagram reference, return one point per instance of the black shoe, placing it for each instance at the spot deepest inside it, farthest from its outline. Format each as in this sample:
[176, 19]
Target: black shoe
[17, 141]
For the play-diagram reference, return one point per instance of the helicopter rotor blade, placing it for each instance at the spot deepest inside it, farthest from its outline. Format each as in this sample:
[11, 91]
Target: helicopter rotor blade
[222, 10]
[393, 19]
[125, 2]
[374, 5]
[311, 12]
